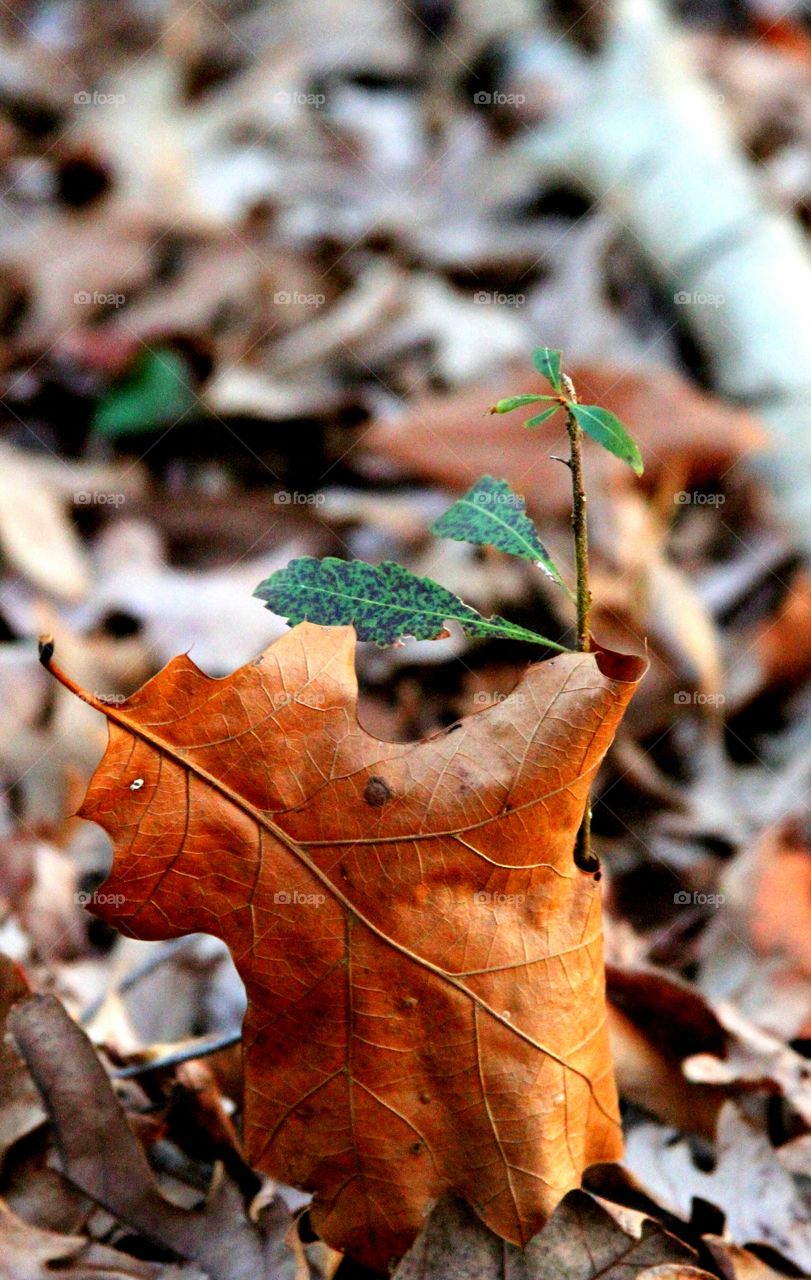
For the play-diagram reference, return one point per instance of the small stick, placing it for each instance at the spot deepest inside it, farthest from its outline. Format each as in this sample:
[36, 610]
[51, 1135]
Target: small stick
[188, 1053]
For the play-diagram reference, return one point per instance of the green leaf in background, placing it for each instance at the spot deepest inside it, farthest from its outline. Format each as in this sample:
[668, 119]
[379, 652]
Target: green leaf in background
[156, 393]
[383, 602]
[491, 515]
[517, 402]
[607, 430]
[542, 417]
[547, 362]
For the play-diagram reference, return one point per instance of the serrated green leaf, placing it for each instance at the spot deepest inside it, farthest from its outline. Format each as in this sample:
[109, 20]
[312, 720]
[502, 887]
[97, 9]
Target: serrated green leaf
[157, 392]
[517, 402]
[547, 362]
[383, 602]
[540, 418]
[491, 515]
[606, 428]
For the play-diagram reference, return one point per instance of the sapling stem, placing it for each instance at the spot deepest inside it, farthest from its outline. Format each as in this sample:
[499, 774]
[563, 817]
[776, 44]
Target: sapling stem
[579, 522]
[584, 857]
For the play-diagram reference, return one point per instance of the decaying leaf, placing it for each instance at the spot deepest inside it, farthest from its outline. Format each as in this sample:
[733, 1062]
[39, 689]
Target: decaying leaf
[754, 1059]
[581, 1241]
[20, 1105]
[422, 958]
[29, 1253]
[102, 1157]
[761, 1202]
[35, 534]
[768, 907]
[736, 1263]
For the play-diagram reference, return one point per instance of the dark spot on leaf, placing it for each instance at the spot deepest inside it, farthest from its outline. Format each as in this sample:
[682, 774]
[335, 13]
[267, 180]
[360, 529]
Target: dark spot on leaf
[376, 792]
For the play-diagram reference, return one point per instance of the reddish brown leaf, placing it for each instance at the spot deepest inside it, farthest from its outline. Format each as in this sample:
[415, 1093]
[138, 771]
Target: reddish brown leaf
[423, 959]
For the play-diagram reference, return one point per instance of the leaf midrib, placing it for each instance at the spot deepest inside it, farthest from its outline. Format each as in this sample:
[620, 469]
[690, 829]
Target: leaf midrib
[504, 628]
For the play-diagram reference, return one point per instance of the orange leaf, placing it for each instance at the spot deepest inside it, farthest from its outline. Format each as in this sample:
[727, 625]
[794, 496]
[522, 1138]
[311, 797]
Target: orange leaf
[422, 958]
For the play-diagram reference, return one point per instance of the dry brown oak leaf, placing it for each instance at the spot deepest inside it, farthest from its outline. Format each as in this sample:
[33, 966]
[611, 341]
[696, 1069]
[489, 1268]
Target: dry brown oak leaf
[423, 960]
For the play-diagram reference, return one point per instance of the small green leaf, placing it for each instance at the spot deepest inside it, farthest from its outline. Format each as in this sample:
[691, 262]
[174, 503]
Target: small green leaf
[517, 402]
[156, 393]
[383, 602]
[491, 515]
[547, 362]
[607, 430]
[542, 417]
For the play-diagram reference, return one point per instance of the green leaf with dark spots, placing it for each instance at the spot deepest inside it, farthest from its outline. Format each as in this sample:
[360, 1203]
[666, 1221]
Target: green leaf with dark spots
[155, 394]
[607, 430]
[517, 402]
[541, 418]
[383, 602]
[547, 362]
[491, 515]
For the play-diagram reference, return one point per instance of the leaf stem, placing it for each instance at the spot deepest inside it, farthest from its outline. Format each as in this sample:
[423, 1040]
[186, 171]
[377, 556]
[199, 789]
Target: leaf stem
[583, 855]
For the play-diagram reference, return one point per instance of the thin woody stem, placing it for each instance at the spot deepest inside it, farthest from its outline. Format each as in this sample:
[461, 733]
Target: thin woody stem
[583, 855]
[579, 524]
